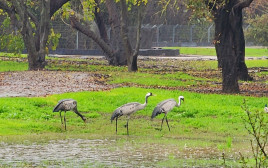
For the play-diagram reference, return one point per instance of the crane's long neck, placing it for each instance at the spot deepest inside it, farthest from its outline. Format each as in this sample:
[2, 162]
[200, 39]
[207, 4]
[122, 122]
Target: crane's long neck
[146, 101]
[80, 115]
[179, 103]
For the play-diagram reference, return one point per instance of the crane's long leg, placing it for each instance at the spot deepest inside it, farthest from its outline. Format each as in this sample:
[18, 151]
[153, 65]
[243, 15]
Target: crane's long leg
[116, 125]
[61, 118]
[65, 119]
[167, 123]
[162, 121]
[127, 127]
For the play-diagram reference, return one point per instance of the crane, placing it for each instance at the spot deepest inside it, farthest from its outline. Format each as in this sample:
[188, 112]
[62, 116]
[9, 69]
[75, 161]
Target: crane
[266, 108]
[164, 107]
[67, 105]
[128, 109]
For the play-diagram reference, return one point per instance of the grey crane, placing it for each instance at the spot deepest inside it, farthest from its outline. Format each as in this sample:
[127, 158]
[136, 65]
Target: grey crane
[128, 109]
[67, 105]
[266, 108]
[164, 107]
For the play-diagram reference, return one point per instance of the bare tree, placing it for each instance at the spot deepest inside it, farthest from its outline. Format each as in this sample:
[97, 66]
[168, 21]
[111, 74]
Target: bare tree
[256, 124]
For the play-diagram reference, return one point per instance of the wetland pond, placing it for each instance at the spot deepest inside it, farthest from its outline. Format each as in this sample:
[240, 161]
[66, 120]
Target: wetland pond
[107, 153]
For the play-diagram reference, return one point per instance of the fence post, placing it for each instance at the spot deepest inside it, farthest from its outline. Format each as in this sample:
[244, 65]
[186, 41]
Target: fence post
[157, 34]
[173, 35]
[77, 40]
[209, 32]
[109, 33]
[191, 33]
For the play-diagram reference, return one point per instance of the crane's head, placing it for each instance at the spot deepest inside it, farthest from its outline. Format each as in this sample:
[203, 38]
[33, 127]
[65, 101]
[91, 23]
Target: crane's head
[149, 94]
[181, 98]
[265, 105]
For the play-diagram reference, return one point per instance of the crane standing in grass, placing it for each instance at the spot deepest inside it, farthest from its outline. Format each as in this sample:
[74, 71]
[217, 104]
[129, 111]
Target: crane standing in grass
[128, 109]
[266, 108]
[164, 107]
[67, 105]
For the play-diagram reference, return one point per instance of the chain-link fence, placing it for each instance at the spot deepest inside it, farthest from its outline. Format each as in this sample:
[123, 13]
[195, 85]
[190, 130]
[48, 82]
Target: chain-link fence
[152, 36]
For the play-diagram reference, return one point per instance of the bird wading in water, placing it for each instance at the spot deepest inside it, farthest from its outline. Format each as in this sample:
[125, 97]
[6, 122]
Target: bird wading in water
[67, 105]
[128, 109]
[164, 107]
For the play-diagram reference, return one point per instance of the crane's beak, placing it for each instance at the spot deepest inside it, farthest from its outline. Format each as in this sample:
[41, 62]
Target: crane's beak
[154, 95]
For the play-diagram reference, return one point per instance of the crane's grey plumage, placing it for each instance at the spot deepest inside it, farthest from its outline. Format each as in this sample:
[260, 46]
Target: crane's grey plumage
[266, 108]
[128, 109]
[164, 107]
[67, 105]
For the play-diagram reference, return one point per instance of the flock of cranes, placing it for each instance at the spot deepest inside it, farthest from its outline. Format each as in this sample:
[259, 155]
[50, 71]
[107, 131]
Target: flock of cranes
[124, 110]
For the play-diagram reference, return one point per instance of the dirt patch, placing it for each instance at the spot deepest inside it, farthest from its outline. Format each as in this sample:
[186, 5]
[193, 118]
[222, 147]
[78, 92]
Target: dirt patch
[43, 83]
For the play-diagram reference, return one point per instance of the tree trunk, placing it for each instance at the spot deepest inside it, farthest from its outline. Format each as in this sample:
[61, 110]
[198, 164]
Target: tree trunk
[100, 22]
[132, 56]
[124, 35]
[35, 40]
[116, 40]
[230, 44]
[134, 66]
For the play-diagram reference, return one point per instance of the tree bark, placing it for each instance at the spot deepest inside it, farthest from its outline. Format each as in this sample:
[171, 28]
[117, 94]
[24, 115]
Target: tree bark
[124, 35]
[116, 40]
[55, 5]
[230, 43]
[100, 22]
[134, 65]
[132, 56]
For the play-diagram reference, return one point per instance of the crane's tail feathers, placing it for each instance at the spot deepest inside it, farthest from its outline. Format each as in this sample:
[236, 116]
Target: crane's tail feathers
[155, 113]
[57, 108]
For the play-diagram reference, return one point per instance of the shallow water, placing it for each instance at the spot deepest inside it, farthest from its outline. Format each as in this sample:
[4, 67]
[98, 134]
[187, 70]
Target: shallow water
[97, 153]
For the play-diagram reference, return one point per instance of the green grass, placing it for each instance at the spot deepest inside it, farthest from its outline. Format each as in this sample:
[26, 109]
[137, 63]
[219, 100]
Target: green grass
[203, 121]
[12, 55]
[205, 112]
[13, 66]
[250, 52]
[257, 63]
[172, 79]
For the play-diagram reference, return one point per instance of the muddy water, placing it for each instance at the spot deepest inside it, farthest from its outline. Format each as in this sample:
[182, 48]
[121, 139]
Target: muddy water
[94, 153]
[73, 153]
